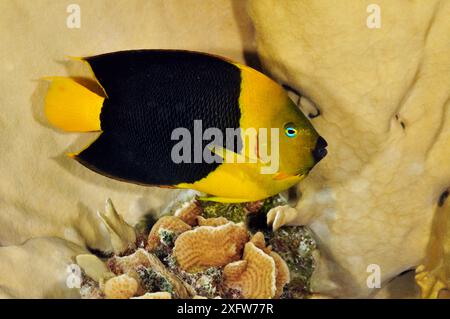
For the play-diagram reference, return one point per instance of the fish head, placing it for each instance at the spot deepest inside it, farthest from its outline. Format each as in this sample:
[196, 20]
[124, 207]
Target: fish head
[300, 147]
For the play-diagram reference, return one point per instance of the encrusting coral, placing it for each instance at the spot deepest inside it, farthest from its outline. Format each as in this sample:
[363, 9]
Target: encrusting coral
[258, 262]
[256, 267]
[121, 287]
[214, 221]
[258, 240]
[199, 248]
[171, 224]
[189, 211]
[205, 258]
[155, 295]
[283, 276]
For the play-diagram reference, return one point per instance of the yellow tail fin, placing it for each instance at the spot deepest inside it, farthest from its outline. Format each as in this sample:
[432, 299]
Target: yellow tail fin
[72, 107]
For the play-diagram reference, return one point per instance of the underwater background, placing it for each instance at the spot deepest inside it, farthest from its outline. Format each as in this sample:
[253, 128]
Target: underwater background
[379, 95]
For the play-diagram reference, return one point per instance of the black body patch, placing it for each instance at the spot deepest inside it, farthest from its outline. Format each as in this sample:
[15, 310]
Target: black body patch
[151, 93]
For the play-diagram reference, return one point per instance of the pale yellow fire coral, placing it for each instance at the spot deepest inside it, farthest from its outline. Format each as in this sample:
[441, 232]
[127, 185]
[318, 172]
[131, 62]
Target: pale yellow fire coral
[122, 235]
[208, 246]
[93, 267]
[384, 97]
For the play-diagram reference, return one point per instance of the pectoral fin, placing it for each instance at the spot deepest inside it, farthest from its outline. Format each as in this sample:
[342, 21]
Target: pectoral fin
[227, 155]
[281, 176]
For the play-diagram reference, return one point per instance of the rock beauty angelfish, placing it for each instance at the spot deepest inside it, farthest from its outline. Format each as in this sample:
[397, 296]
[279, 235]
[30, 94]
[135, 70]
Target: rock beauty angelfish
[150, 93]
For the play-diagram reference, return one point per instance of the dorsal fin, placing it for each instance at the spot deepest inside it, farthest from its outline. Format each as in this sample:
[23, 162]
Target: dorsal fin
[118, 72]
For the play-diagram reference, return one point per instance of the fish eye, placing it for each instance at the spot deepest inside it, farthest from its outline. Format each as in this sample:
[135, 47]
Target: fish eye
[290, 130]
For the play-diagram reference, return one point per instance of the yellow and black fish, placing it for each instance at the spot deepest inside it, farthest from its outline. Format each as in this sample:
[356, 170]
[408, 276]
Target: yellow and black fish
[150, 93]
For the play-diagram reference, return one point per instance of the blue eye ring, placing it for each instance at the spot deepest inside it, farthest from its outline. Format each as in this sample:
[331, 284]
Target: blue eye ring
[290, 130]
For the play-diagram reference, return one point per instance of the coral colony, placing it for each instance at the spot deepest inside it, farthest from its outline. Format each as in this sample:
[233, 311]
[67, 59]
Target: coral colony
[191, 252]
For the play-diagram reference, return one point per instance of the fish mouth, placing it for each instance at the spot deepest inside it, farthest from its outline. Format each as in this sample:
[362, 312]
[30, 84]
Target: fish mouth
[320, 150]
